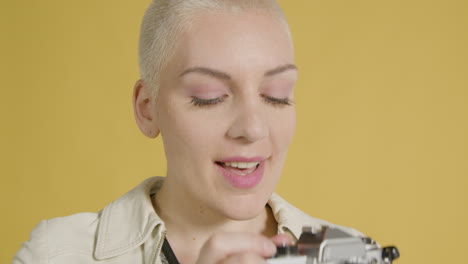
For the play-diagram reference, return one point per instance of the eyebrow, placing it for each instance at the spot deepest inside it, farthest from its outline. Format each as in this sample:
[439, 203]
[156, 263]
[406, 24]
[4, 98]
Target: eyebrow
[281, 69]
[224, 76]
[207, 71]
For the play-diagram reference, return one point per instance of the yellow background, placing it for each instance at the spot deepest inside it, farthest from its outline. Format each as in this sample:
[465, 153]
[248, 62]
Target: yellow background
[381, 143]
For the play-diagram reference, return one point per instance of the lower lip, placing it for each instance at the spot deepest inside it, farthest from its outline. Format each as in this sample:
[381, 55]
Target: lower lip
[243, 181]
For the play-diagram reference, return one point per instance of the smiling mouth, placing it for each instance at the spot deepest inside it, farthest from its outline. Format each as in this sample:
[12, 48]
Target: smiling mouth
[239, 168]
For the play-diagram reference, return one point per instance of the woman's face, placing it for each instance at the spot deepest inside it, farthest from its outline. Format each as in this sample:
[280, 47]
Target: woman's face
[225, 113]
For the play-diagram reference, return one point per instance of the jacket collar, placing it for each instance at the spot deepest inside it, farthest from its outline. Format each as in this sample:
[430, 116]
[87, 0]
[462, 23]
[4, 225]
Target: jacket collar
[128, 222]
[290, 219]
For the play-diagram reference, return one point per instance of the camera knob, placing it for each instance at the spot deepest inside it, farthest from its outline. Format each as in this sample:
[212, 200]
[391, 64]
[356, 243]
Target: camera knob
[282, 251]
[390, 253]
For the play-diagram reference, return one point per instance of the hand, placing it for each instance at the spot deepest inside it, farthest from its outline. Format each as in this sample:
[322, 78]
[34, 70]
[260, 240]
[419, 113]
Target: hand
[243, 248]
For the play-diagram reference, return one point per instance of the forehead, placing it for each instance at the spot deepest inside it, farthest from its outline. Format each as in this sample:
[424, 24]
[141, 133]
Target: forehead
[231, 41]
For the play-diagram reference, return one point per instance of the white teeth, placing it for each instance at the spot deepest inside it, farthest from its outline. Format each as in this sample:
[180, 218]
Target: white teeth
[242, 165]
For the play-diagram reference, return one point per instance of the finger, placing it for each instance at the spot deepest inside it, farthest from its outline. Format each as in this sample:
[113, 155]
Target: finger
[222, 245]
[282, 240]
[244, 258]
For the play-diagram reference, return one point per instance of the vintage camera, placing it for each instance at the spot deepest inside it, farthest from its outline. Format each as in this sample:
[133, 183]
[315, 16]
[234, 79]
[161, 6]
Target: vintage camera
[333, 246]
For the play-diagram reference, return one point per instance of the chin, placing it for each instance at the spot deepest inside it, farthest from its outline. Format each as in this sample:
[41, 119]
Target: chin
[245, 207]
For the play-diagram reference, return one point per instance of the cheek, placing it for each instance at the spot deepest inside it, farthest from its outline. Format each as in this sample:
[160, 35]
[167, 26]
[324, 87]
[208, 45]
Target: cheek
[281, 136]
[283, 129]
[187, 135]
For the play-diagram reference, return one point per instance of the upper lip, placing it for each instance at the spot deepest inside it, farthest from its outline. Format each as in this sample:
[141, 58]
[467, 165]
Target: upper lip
[241, 159]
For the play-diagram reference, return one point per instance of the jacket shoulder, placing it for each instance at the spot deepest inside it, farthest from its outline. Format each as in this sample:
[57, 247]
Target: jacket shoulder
[57, 236]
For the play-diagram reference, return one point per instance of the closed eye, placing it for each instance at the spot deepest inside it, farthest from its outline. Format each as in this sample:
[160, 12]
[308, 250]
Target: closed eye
[213, 101]
[277, 101]
[207, 102]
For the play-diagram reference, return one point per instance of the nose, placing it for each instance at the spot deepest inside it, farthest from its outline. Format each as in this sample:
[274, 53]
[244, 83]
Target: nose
[250, 123]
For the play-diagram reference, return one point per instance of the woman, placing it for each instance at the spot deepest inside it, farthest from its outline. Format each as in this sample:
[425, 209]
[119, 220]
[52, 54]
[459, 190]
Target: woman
[217, 82]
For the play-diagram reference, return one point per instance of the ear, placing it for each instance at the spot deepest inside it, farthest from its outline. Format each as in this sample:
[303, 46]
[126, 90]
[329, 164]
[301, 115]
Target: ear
[144, 109]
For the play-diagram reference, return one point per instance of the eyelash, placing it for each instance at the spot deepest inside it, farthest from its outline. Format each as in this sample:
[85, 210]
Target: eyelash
[278, 102]
[207, 102]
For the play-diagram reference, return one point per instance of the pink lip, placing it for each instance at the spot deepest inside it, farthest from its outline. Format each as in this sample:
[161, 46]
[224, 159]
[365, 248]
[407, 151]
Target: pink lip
[243, 181]
[242, 159]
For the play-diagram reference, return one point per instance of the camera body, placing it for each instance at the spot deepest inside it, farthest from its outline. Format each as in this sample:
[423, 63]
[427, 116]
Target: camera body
[333, 246]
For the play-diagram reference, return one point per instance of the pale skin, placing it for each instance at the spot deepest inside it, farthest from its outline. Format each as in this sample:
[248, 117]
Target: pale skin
[227, 91]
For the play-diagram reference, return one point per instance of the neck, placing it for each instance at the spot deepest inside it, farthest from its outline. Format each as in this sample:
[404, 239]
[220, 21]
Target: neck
[189, 224]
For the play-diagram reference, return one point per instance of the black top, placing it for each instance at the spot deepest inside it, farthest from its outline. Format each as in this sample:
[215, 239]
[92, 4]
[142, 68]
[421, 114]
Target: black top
[168, 253]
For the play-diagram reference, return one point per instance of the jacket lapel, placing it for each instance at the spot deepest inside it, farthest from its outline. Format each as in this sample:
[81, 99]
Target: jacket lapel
[128, 222]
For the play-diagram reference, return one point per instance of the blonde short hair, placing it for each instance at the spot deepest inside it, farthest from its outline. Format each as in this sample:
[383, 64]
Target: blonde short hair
[165, 20]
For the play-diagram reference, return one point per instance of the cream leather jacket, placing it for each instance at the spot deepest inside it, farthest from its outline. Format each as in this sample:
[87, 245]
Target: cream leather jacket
[127, 231]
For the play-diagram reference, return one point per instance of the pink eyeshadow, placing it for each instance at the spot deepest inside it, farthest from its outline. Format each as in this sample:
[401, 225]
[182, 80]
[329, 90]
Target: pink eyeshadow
[205, 91]
[280, 90]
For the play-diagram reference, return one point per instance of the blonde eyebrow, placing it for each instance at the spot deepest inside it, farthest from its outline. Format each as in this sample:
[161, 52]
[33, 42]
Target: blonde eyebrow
[222, 75]
[207, 71]
[281, 69]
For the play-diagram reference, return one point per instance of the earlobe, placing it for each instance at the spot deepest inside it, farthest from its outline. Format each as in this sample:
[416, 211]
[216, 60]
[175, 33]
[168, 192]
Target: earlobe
[144, 110]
